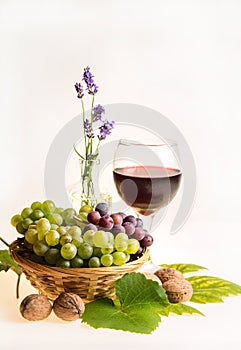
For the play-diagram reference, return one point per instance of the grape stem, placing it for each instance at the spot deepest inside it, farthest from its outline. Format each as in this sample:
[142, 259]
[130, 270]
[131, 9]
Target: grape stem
[19, 274]
[17, 286]
[1, 239]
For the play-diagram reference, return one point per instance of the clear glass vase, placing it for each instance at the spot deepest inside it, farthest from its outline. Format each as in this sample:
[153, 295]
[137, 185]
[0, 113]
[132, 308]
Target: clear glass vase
[88, 190]
[89, 186]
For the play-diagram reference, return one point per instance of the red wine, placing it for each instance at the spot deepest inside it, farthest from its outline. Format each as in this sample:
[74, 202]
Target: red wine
[147, 189]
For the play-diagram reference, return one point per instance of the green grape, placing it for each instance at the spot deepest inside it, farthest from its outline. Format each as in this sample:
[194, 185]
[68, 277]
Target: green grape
[86, 208]
[59, 210]
[76, 236]
[54, 227]
[121, 237]
[106, 260]
[100, 239]
[69, 212]
[63, 263]
[16, 219]
[70, 221]
[107, 250]
[43, 224]
[41, 235]
[62, 230]
[27, 245]
[52, 256]
[94, 262]
[31, 235]
[55, 218]
[26, 222]
[121, 246]
[40, 248]
[20, 228]
[36, 205]
[52, 237]
[127, 257]
[119, 258]
[88, 236]
[132, 246]
[83, 215]
[85, 250]
[77, 262]
[111, 240]
[68, 215]
[26, 212]
[36, 258]
[97, 252]
[36, 214]
[77, 241]
[65, 239]
[103, 239]
[75, 231]
[68, 251]
[48, 207]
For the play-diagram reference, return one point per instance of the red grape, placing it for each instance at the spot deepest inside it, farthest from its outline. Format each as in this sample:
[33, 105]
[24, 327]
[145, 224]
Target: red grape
[117, 218]
[94, 217]
[147, 240]
[106, 222]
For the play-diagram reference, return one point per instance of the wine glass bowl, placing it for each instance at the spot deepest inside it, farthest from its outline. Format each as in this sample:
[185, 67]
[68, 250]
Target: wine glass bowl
[147, 176]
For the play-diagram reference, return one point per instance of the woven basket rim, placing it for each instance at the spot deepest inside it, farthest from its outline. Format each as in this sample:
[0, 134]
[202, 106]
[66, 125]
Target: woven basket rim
[74, 271]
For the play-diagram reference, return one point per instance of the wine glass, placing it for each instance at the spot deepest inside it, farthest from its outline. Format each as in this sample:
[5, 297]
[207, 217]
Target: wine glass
[147, 176]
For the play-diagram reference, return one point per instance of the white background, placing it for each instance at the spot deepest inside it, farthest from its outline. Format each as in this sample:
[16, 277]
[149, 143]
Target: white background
[181, 58]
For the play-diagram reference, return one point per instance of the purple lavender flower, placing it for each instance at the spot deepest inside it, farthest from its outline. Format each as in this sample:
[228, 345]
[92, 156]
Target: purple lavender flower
[98, 110]
[88, 129]
[80, 90]
[105, 129]
[88, 78]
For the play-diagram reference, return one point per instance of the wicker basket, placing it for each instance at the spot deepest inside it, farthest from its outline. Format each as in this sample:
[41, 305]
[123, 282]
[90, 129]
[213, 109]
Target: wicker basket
[88, 283]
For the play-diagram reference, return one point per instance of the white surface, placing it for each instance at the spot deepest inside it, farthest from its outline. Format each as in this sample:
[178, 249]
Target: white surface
[179, 57]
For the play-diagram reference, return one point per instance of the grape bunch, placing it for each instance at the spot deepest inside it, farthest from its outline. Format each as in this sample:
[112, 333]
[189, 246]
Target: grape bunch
[55, 239]
[116, 223]
[47, 209]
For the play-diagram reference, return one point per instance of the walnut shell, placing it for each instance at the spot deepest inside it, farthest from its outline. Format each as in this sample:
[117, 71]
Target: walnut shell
[151, 276]
[68, 306]
[165, 274]
[35, 307]
[177, 290]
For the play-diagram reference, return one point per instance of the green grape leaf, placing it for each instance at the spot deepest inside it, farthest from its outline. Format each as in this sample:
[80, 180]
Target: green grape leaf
[185, 268]
[6, 262]
[182, 309]
[209, 289]
[138, 308]
[102, 313]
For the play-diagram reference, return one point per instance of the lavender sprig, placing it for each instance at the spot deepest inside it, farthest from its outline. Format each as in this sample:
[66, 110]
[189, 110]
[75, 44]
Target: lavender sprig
[80, 90]
[88, 129]
[105, 129]
[88, 78]
[96, 115]
[97, 112]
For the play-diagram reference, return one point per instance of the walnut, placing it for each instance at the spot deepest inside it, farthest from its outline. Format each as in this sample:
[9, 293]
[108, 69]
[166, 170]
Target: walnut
[68, 306]
[35, 307]
[165, 274]
[151, 276]
[178, 290]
